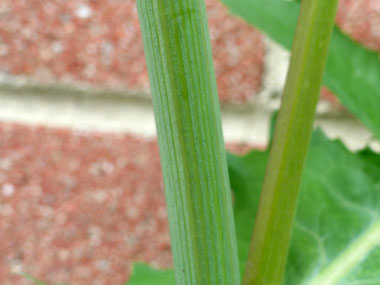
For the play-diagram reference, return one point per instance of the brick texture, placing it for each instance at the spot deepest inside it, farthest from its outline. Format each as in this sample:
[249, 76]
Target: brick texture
[99, 42]
[80, 207]
[361, 20]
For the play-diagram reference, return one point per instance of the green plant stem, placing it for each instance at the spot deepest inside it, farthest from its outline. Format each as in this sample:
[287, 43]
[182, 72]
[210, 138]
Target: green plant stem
[186, 106]
[271, 237]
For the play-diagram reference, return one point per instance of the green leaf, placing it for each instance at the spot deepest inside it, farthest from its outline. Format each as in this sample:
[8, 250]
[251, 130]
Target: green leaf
[352, 72]
[336, 237]
[337, 227]
[143, 274]
[246, 182]
[373, 166]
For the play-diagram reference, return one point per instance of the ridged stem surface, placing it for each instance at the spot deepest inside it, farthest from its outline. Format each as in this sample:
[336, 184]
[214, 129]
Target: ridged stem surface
[186, 107]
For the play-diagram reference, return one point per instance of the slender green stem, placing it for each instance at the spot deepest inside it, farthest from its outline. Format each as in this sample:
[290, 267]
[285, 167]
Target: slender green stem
[186, 106]
[273, 225]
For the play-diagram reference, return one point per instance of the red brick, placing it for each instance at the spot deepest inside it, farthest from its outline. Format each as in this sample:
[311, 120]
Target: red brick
[78, 207]
[83, 206]
[361, 20]
[47, 40]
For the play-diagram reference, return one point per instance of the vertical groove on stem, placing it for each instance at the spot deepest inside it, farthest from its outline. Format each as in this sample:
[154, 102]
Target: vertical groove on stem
[186, 106]
[271, 236]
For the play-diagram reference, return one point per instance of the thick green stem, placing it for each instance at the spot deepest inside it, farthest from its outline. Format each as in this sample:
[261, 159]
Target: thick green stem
[273, 225]
[186, 106]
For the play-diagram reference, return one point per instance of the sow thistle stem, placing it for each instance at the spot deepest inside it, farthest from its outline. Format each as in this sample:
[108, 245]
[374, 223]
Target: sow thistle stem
[271, 237]
[186, 107]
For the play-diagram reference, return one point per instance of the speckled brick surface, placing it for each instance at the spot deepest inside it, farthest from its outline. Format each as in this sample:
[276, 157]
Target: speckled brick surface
[361, 20]
[99, 42]
[79, 207]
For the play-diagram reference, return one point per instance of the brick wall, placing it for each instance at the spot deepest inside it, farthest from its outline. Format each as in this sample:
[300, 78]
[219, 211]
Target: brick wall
[80, 206]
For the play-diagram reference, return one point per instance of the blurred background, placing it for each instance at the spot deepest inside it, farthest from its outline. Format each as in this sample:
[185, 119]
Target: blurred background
[81, 195]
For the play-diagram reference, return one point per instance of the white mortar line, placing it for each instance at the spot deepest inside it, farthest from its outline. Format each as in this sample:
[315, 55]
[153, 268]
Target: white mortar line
[276, 63]
[115, 114]
[107, 111]
[80, 113]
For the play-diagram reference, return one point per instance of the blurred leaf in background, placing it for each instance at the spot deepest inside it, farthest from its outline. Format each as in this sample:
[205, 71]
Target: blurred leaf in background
[144, 274]
[337, 227]
[352, 71]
